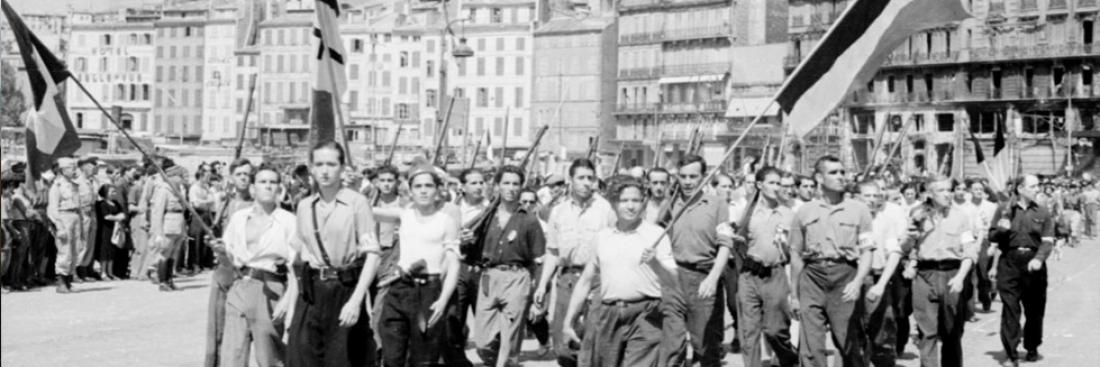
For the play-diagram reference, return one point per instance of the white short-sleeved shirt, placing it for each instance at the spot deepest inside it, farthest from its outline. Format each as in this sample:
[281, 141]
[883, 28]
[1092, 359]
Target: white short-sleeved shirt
[273, 248]
[623, 275]
[426, 238]
[888, 228]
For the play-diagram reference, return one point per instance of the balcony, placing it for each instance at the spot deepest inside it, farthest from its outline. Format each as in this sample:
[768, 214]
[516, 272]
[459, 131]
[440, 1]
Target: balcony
[639, 4]
[701, 107]
[1081, 4]
[636, 108]
[984, 54]
[696, 69]
[697, 33]
[640, 38]
[639, 73]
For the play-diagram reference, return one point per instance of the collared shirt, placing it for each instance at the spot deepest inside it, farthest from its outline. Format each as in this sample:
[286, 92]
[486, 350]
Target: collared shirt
[618, 256]
[949, 237]
[469, 212]
[888, 229]
[653, 211]
[89, 191]
[765, 227]
[823, 231]
[426, 239]
[345, 227]
[986, 211]
[201, 196]
[387, 230]
[270, 250]
[520, 242]
[695, 237]
[1032, 227]
[573, 227]
[65, 195]
[166, 215]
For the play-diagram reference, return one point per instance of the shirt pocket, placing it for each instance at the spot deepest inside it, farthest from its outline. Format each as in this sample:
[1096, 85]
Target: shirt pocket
[814, 235]
[847, 231]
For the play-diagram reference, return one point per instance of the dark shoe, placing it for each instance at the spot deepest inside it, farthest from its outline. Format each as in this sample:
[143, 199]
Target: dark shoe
[735, 346]
[62, 285]
[985, 308]
[164, 287]
[1032, 355]
[1010, 363]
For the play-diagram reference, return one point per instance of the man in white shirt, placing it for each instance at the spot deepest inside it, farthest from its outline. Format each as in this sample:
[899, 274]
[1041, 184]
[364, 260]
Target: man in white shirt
[626, 321]
[257, 241]
[888, 227]
[986, 211]
[658, 183]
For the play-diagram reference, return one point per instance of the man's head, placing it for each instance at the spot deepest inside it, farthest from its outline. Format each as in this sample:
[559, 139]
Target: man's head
[67, 167]
[582, 175]
[1027, 187]
[628, 196]
[692, 168]
[424, 184]
[807, 188]
[88, 166]
[241, 173]
[509, 181]
[786, 188]
[266, 184]
[767, 182]
[385, 179]
[658, 180]
[829, 171]
[939, 191]
[326, 161]
[723, 186]
[528, 199]
[871, 194]
[909, 192]
[978, 190]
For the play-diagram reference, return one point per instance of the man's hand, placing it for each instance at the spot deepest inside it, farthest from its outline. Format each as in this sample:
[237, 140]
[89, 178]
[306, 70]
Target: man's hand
[1034, 265]
[909, 272]
[215, 243]
[1004, 224]
[875, 292]
[648, 254]
[955, 284]
[570, 334]
[851, 291]
[792, 302]
[466, 236]
[708, 287]
[281, 308]
[349, 315]
[437, 311]
[540, 295]
[993, 275]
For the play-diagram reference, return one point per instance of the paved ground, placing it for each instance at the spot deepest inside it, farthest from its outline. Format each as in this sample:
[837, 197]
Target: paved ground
[130, 323]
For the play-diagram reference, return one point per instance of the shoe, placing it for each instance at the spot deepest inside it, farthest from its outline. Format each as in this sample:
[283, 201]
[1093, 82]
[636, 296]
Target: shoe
[1032, 355]
[1010, 363]
[985, 308]
[735, 346]
[62, 285]
[165, 288]
[543, 351]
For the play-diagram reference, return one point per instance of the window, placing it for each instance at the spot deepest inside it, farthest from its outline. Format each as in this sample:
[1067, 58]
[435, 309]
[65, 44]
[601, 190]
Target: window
[198, 97]
[160, 51]
[500, 66]
[159, 74]
[184, 71]
[279, 61]
[498, 126]
[186, 98]
[483, 97]
[500, 43]
[106, 40]
[517, 126]
[521, 43]
[148, 39]
[240, 81]
[498, 95]
[357, 45]
[103, 67]
[79, 120]
[416, 59]
[160, 98]
[890, 84]
[430, 45]
[385, 106]
[187, 31]
[170, 99]
[186, 51]
[353, 70]
[291, 93]
[403, 60]
[402, 85]
[480, 66]
[429, 65]
[519, 97]
[519, 65]
[429, 97]
[481, 44]
[385, 78]
[402, 111]
[145, 92]
[171, 73]
[353, 97]
[496, 15]
[945, 122]
[461, 65]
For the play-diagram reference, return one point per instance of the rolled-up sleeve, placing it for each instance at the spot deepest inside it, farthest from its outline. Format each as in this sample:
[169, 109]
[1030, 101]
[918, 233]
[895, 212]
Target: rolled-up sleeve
[536, 240]
[723, 238]
[364, 227]
[553, 228]
[797, 236]
[865, 235]
[1046, 238]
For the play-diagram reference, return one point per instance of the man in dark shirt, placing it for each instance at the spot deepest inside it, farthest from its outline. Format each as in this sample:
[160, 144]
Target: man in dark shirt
[512, 242]
[1024, 233]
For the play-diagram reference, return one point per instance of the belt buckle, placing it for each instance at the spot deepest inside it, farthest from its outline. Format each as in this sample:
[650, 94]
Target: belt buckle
[1023, 249]
[328, 273]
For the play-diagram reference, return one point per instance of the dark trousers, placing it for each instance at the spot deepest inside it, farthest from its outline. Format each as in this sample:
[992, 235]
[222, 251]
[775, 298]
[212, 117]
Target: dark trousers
[220, 282]
[880, 319]
[902, 290]
[316, 337]
[941, 316]
[730, 281]
[566, 354]
[764, 309]
[622, 334]
[820, 296]
[22, 244]
[1021, 292]
[463, 301]
[402, 326]
[700, 317]
[983, 285]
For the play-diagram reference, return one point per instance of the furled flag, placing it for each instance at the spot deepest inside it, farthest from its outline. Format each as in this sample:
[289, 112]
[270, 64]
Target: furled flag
[996, 170]
[851, 52]
[50, 133]
[329, 77]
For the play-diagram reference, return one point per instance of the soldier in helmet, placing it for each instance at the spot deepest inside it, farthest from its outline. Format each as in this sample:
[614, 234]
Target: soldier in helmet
[64, 210]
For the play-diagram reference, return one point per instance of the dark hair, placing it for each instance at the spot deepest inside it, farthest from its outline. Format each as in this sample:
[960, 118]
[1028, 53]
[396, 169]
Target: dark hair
[462, 176]
[329, 144]
[826, 158]
[265, 167]
[618, 183]
[384, 170]
[528, 190]
[766, 171]
[167, 163]
[802, 178]
[241, 162]
[581, 163]
[104, 190]
[513, 170]
[866, 183]
[438, 181]
[714, 181]
[690, 159]
[656, 170]
[300, 171]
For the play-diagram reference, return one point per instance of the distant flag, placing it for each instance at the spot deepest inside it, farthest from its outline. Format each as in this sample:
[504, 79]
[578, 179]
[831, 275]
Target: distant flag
[50, 133]
[852, 50]
[329, 77]
[996, 170]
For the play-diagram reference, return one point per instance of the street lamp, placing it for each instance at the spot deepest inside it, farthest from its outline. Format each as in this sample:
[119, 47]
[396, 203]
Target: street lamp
[459, 50]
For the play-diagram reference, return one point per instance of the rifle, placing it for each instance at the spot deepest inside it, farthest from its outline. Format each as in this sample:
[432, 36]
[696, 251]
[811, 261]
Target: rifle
[473, 158]
[660, 149]
[443, 133]
[593, 147]
[479, 223]
[393, 148]
[674, 190]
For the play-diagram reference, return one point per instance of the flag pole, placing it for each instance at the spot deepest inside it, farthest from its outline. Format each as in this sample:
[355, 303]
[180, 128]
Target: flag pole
[343, 137]
[897, 144]
[244, 124]
[175, 191]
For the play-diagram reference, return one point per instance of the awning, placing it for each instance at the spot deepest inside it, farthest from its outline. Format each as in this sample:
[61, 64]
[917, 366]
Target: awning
[749, 107]
[692, 79]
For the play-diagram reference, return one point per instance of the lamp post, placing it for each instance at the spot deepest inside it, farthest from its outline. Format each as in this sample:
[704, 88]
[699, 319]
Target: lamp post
[460, 51]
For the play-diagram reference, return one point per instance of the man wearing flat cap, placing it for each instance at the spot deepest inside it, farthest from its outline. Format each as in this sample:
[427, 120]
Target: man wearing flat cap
[64, 210]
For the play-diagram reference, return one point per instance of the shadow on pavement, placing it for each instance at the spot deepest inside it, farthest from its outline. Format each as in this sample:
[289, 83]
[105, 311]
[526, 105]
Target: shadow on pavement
[91, 289]
[193, 286]
[998, 355]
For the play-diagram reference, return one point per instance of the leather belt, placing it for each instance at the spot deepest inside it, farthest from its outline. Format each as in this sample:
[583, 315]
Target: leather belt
[832, 261]
[419, 279]
[950, 264]
[507, 267]
[625, 303]
[330, 273]
[261, 274]
[572, 269]
[696, 267]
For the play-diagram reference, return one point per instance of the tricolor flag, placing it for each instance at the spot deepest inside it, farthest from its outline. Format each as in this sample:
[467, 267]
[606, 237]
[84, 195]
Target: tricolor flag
[329, 77]
[851, 52]
[50, 133]
[998, 169]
